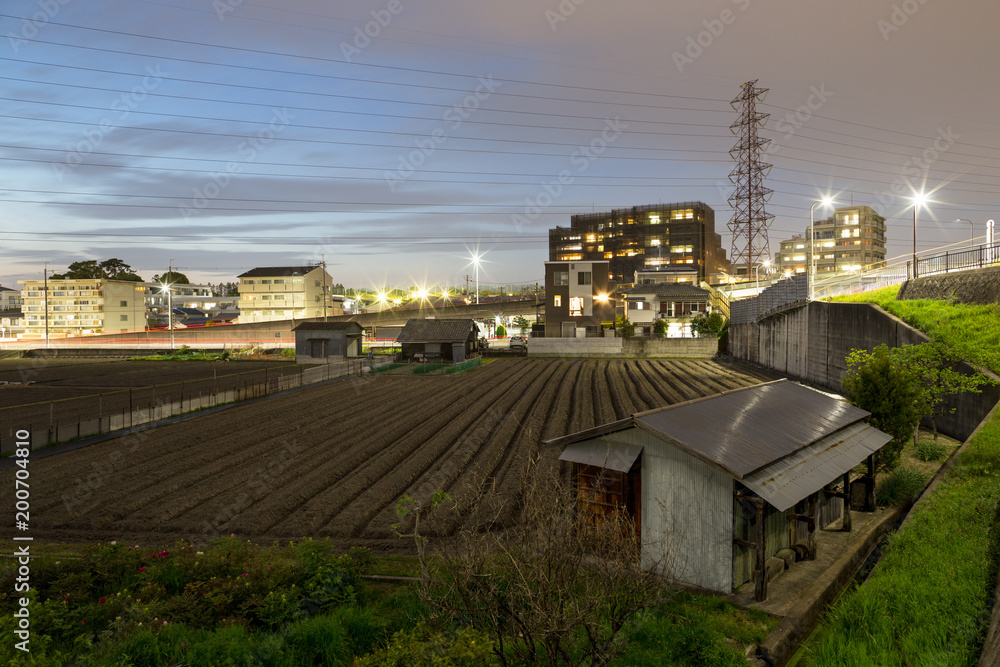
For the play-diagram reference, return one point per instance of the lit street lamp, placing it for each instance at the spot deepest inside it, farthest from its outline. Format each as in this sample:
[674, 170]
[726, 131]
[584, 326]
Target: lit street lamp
[826, 201]
[476, 257]
[170, 311]
[767, 266]
[919, 199]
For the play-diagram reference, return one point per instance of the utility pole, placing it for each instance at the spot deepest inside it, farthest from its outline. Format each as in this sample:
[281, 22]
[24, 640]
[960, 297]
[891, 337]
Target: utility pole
[45, 294]
[323, 264]
[170, 303]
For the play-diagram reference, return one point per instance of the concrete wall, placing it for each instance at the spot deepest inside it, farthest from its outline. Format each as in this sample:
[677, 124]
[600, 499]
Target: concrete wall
[981, 286]
[812, 342]
[623, 347]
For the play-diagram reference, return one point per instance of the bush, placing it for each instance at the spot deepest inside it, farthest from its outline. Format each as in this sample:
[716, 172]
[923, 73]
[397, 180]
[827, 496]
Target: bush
[501, 332]
[288, 353]
[420, 647]
[900, 486]
[931, 451]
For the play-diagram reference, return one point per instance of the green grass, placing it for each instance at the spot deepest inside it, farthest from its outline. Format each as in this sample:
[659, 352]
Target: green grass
[971, 330]
[930, 451]
[900, 486]
[927, 601]
[694, 630]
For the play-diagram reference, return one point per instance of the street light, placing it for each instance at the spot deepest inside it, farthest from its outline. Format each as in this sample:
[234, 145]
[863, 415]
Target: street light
[170, 311]
[826, 201]
[767, 265]
[476, 257]
[972, 232]
[919, 199]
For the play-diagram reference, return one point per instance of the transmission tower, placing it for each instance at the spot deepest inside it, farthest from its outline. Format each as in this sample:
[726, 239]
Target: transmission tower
[750, 219]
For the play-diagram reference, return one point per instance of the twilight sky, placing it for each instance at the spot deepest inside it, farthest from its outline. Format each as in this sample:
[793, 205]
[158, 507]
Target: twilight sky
[391, 136]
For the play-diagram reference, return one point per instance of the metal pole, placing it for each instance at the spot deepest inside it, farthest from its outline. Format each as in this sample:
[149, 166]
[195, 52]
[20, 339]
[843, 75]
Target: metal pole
[45, 295]
[972, 232]
[914, 239]
[170, 315]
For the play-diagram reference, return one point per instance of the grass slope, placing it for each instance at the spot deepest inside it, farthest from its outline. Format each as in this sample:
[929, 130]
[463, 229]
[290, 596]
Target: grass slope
[927, 602]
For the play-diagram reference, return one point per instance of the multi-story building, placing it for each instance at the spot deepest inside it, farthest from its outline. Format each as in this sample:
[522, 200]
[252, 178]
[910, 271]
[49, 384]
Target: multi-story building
[285, 293]
[852, 239]
[83, 306]
[11, 324]
[677, 239]
[577, 296]
[10, 299]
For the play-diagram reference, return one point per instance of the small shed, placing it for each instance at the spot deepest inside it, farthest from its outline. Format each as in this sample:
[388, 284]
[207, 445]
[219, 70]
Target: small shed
[322, 342]
[439, 340]
[718, 485]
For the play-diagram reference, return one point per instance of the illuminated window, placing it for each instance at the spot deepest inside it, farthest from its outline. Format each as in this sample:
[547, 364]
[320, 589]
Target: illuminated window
[557, 301]
[845, 233]
[828, 244]
[800, 246]
[857, 232]
[576, 306]
[654, 242]
[799, 258]
[654, 219]
[639, 305]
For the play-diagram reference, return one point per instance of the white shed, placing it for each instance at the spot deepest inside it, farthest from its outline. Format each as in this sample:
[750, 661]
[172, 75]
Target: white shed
[720, 484]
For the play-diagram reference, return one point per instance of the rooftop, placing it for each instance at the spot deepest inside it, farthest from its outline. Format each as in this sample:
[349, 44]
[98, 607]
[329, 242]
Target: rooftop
[437, 331]
[267, 271]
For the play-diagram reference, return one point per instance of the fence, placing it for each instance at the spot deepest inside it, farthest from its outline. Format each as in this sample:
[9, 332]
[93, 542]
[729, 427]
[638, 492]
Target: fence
[65, 430]
[796, 288]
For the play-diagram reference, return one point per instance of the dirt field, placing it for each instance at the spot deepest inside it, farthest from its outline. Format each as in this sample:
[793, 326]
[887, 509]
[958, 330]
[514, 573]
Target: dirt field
[333, 460]
[81, 388]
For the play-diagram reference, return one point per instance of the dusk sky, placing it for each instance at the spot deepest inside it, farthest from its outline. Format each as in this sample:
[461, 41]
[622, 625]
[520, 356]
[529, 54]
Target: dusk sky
[225, 135]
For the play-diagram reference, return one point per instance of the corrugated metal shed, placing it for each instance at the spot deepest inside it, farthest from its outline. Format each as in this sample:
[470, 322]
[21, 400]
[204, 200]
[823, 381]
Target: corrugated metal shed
[785, 482]
[605, 452]
[350, 327]
[438, 331]
[745, 430]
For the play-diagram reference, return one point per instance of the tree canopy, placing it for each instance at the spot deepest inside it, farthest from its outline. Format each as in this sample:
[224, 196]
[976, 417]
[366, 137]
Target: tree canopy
[109, 269]
[172, 278]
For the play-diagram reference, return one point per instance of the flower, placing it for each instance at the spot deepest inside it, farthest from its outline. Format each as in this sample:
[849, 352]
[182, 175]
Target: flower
[142, 569]
[244, 574]
[85, 621]
[164, 622]
[102, 600]
[200, 553]
[114, 542]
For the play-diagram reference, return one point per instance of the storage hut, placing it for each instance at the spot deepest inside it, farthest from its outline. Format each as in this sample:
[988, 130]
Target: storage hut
[322, 342]
[718, 485]
[438, 340]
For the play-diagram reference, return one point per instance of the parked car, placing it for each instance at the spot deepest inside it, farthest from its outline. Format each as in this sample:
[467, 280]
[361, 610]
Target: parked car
[518, 343]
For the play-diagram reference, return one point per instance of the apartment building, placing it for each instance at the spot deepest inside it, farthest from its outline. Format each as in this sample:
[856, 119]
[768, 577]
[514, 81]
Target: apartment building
[577, 297]
[10, 299]
[678, 240]
[286, 292]
[82, 307]
[851, 239]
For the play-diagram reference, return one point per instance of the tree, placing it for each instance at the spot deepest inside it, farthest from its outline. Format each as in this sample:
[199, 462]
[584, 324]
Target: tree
[660, 328]
[109, 269]
[625, 328]
[501, 331]
[878, 382]
[548, 589]
[934, 364]
[521, 322]
[172, 278]
[710, 325]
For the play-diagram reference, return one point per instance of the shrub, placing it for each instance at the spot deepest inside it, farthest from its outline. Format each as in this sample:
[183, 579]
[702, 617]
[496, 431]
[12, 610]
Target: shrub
[931, 451]
[420, 647]
[501, 332]
[288, 353]
[900, 486]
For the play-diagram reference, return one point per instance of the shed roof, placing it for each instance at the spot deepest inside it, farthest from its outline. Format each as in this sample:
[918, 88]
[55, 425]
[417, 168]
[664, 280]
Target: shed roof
[792, 478]
[350, 327]
[603, 452]
[437, 331]
[741, 431]
[265, 271]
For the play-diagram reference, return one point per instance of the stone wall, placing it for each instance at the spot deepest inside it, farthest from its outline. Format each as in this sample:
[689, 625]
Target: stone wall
[974, 287]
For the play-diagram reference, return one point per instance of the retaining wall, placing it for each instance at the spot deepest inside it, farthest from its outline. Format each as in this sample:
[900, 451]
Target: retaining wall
[623, 347]
[977, 287]
[812, 342]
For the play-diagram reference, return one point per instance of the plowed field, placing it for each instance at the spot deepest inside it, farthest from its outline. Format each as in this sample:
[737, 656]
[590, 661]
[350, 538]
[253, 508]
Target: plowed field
[333, 460]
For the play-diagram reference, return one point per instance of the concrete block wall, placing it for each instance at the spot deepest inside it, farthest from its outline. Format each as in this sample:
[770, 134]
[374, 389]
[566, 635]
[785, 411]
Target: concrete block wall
[623, 347]
[812, 343]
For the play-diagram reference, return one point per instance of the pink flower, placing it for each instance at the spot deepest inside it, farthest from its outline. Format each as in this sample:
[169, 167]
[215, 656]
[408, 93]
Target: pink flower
[85, 621]
[102, 600]
[142, 569]
[244, 574]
